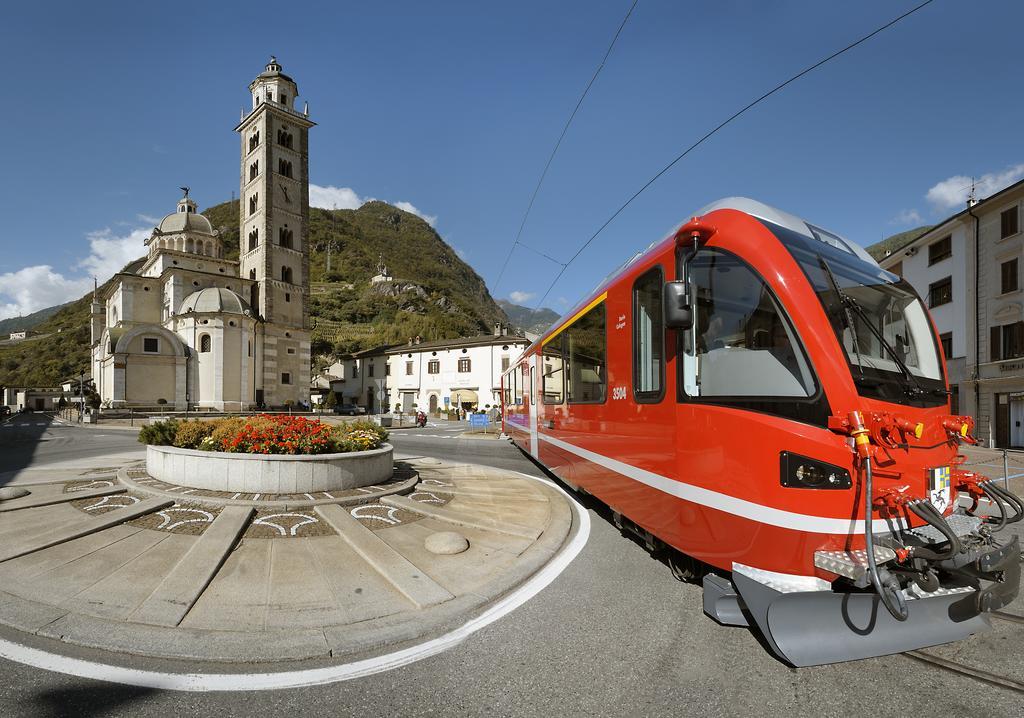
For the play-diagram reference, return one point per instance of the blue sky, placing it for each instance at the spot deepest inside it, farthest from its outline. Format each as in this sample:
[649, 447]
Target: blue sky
[454, 107]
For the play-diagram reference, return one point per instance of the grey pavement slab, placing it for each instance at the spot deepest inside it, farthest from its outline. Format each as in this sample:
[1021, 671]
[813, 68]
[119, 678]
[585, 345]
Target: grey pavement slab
[53, 535]
[62, 582]
[359, 589]
[457, 573]
[460, 517]
[18, 524]
[185, 583]
[117, 595]
[39, 498]
[409, 579]
[13, 572]
[237, 600]
[211, 645]
[299, 593]
[25, 615]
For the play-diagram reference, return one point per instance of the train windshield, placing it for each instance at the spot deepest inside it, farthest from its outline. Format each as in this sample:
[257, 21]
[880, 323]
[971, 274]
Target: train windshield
[879, 321]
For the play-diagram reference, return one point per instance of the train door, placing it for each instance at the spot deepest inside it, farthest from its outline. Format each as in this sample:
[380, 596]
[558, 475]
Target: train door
[746, 387]
[641, 405]
[533, 406]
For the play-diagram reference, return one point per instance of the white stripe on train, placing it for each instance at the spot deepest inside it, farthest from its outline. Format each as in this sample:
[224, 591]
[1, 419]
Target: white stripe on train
[715, 500]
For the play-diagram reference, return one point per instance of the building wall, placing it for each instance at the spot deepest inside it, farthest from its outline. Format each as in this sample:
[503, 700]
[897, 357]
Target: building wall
[1001, 385]
[483, 378]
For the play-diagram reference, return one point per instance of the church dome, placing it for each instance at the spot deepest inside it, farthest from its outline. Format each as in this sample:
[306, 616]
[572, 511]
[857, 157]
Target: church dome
[186, 219]
[215, 299]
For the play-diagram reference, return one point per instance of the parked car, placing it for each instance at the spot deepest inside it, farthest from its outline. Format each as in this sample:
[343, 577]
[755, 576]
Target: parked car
[349, 409]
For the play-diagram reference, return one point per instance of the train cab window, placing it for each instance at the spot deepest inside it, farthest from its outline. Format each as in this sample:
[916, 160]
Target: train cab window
[741, 344]
[648, 337]
[553, 371]
[517, 384]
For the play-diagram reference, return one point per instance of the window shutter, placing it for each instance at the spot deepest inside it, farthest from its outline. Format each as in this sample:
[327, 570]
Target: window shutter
[994, 344]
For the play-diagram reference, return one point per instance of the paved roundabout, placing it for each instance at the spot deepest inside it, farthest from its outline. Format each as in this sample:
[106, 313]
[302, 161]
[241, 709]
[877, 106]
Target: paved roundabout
[312, 588]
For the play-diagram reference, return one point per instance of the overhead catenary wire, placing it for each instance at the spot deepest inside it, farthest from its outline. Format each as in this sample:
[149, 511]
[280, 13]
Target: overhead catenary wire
[554, 151]
[718, 127]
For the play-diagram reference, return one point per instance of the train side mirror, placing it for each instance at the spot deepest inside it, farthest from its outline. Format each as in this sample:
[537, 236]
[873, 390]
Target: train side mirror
[678, 311]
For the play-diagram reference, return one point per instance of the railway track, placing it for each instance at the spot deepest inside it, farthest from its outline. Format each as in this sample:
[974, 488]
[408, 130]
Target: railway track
[978, 674]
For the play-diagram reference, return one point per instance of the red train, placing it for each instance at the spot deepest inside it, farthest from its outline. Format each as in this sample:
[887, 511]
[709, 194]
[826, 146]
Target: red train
[738, 394]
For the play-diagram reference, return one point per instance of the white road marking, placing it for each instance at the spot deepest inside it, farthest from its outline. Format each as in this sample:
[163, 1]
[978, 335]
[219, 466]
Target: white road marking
[205, 682]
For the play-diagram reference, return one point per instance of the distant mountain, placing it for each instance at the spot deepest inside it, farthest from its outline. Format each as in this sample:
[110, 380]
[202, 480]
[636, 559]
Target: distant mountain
[890, 244]
[434, 294]
[535, 321]
[29, 321]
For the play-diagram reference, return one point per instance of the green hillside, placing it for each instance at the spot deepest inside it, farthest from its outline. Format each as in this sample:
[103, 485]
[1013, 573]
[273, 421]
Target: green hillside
[29, 321]
[434, 295]
[881, 250]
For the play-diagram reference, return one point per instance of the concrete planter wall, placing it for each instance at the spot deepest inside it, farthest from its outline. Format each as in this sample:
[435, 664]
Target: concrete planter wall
[270, 474]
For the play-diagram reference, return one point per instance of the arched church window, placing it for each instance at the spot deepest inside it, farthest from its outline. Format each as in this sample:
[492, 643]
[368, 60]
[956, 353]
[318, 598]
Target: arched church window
[254, 140]
[252, 274]
[254, 169]
[284, 99]
[286, 274]
[254, 238]
[190, 245]
[284, 167]
[284, 237]
[254, 293]
[204, 343]
[254, 202]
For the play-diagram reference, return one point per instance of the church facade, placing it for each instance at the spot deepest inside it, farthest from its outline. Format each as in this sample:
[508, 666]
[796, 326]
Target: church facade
[191, 329]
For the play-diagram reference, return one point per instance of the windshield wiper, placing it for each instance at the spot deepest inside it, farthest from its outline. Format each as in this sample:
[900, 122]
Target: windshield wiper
[911, 386]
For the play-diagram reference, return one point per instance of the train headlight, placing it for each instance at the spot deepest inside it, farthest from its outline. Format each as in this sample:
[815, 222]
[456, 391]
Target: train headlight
[801, 472]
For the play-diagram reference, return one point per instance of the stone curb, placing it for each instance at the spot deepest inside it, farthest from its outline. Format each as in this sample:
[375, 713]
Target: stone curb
[336, 641]
[402, 488]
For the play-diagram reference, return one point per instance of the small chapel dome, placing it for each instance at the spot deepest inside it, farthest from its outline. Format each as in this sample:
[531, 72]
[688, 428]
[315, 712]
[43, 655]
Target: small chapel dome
[215, 299]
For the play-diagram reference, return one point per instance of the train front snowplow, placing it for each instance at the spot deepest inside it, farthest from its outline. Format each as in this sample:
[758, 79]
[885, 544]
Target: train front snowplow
[833, 623]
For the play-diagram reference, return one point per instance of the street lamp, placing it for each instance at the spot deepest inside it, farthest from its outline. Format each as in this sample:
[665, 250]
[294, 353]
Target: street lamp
[81, 396]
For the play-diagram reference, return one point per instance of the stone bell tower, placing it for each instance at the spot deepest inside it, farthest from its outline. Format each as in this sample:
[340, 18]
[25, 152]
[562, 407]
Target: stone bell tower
[274, 240]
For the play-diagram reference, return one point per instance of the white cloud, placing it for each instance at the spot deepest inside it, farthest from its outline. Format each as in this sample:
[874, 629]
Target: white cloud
[331, 197]
[409, 207]
[33, 288]
[521, 297]
[563, 301]
[148, 219]
[907, 217]
[952, 192]
[459, 251]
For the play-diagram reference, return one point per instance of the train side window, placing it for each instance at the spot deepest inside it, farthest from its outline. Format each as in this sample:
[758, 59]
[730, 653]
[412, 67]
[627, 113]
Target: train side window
[648, 337]
[741, 344]
[585, 345]
[553, 371]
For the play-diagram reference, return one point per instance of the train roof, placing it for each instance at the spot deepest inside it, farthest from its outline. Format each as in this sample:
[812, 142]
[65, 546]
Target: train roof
[760, 210]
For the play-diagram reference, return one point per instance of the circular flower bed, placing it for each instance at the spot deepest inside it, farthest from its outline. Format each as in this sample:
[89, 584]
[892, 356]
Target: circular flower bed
[267, 454]
[265, 434]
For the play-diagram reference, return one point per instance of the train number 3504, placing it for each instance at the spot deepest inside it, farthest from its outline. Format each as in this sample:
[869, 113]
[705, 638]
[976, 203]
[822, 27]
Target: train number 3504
[618, 392]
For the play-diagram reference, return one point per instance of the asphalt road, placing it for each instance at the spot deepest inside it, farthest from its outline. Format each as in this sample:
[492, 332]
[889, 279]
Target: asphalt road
[613, 635]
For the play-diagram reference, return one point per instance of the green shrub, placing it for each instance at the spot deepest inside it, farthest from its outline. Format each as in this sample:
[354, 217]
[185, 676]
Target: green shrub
[191, 433]
[224, 430]
[160, 433]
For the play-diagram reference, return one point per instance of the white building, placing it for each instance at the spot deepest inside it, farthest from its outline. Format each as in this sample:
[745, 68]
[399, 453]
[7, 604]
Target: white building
[968, 270]
[453, 373]
[191, 328]
[361, 379]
